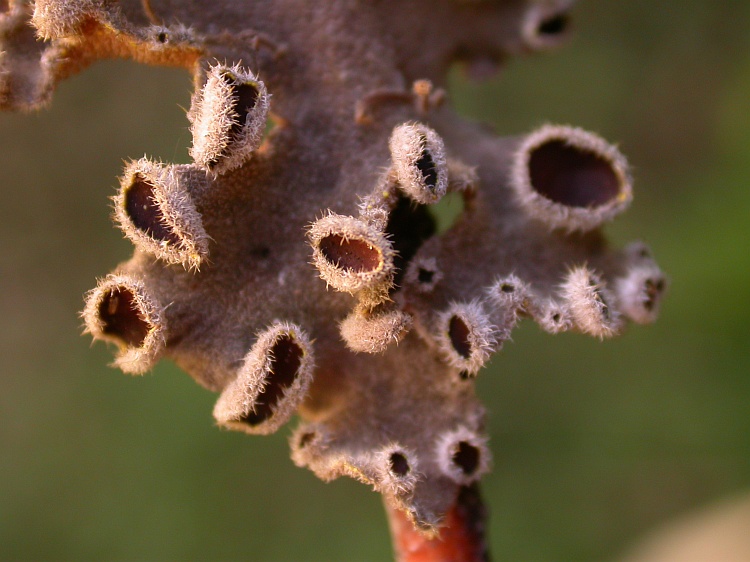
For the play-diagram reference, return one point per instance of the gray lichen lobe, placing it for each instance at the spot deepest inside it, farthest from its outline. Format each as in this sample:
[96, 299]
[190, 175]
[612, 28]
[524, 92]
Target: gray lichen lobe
[300, 270]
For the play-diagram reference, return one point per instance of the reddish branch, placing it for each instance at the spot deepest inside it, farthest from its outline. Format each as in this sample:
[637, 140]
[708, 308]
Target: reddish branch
[462, 539]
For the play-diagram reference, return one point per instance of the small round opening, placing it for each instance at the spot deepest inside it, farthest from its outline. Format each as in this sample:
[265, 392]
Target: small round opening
[425, 276]
[459, 332]
[145, 213]
[121, 317]
[507, 288]
[600, 298]
[554, 25]
[571, 175]
[653, 288]
[286, 358]
[426, 165]
[305, 439]
[245, 99]
[398, 464]
[261, 252]
[350, 254]
[466, 457]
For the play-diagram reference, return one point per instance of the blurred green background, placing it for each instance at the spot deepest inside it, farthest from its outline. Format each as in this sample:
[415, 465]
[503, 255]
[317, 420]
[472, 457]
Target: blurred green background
[594, 443]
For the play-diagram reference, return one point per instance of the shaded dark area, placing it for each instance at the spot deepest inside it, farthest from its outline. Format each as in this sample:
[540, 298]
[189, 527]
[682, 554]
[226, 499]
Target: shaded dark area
[570, 176]
[399, 465]
[425, 275]
[246, 95]
[145, 213]
[285, 363]
[121, 318]
[653, 288]
[409, 225]
[554, 25]
[458, 332]
[466, 457]
[426, 165]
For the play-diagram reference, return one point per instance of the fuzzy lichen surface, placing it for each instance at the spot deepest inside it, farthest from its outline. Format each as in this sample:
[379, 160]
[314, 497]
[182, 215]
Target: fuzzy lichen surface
[299, 270]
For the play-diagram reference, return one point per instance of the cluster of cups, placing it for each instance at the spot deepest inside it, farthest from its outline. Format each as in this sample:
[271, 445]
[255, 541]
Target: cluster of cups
[552, 171]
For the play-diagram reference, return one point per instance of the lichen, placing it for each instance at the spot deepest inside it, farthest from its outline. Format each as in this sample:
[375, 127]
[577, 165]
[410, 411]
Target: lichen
[297, 268]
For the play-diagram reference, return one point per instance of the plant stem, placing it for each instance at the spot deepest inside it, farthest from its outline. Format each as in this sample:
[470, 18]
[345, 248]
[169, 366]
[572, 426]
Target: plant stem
[461, 538]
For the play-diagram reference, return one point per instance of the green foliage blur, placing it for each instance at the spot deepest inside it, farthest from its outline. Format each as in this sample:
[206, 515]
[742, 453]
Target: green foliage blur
[594, 443]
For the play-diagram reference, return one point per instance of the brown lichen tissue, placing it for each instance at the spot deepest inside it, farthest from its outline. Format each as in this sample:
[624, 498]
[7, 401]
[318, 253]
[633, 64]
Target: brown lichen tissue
[295, 266]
